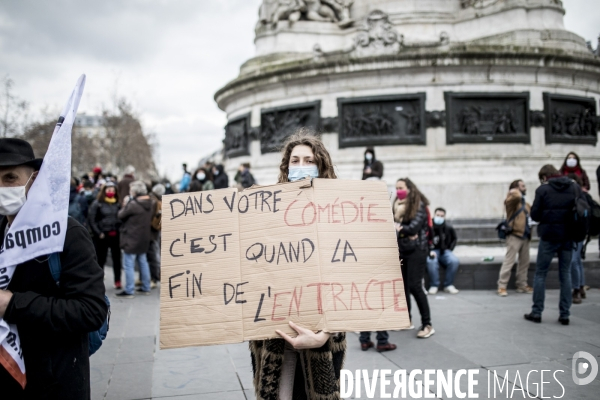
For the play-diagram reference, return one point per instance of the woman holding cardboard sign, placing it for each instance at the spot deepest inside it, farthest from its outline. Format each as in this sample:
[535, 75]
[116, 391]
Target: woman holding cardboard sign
[307, 366]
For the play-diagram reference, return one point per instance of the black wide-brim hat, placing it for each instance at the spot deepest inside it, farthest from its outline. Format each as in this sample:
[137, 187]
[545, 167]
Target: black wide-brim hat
[15, 152]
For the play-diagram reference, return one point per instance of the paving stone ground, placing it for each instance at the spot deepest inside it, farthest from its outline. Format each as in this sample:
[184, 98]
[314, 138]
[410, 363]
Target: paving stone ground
[474, 330]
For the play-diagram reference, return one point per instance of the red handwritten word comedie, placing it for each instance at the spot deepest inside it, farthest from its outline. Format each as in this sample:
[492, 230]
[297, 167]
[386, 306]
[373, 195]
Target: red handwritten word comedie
[237, 266]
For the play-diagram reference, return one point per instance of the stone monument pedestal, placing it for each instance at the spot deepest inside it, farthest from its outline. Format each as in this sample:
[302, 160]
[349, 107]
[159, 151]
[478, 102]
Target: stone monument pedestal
[462, 96]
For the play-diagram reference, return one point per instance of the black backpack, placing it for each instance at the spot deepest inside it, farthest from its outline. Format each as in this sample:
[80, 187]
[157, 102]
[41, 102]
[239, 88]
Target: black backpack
[594, 224]
[579, 226]
[595, 218]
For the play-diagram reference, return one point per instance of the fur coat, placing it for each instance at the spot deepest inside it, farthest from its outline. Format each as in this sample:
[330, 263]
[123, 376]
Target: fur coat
[317, 372]
[399, 209]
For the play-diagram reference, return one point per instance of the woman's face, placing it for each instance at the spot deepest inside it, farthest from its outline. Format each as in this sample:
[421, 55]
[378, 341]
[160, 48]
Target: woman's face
[571, 156]
[302, 156]
[401, 185]
[110, 189]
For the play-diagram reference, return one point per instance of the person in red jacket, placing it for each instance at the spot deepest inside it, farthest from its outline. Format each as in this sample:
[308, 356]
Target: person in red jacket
[572, 165]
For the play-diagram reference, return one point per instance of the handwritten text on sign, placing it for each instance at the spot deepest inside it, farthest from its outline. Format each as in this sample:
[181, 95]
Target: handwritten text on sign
[237, 266]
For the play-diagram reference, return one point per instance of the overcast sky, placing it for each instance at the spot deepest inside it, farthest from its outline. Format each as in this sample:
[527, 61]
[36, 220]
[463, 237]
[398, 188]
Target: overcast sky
[167, 57]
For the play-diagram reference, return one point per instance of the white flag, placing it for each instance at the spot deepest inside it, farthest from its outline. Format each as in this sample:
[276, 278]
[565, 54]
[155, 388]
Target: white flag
[40, 226]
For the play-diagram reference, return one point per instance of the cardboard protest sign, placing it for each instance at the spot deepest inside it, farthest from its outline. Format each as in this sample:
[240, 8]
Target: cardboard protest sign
[237, 266]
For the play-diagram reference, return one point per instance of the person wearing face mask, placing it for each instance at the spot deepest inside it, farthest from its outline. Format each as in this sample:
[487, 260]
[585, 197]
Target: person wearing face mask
[442, 246]
[201, 181]
[87, 192]
[221, 180]
[53, 320]
[518, 241]
[572, 165]
[373, 169]
[307, 366]
[104, 222]
[412, 224]
[246, 178]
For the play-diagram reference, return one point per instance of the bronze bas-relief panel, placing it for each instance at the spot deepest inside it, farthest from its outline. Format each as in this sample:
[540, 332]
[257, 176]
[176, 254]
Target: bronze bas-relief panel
[382, 120]
[487, 117]
[570, 119]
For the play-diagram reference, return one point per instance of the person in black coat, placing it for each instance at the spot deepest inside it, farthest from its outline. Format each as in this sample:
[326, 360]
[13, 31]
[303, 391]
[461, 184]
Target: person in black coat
[413, 244]
[373, 168]
[104, 223]
[53, 320]
[553, 209]
[598, 181]
[136, 230]
[441, 252]
[220, 180]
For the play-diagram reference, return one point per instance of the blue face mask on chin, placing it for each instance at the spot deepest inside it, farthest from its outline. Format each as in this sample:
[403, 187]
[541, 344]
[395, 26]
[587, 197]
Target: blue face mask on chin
[297, 173]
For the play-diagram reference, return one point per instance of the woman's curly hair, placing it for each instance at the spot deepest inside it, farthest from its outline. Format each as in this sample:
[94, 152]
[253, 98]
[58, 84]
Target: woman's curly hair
[306, 137]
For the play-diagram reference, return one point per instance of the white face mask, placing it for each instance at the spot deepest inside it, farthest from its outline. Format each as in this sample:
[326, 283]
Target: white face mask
[200, 176]
[12, 199]
[571, 162]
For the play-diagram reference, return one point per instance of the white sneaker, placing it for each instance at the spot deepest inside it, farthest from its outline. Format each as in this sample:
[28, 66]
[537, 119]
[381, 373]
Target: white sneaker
[410, 328]
[451, 289]
[425, 332]
[433, 290]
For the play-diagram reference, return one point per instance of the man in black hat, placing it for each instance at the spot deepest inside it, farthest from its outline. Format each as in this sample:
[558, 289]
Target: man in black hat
[53, 319]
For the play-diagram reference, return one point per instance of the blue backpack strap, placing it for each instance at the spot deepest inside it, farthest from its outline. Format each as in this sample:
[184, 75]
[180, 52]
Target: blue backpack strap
[94, 338]
[55, 267]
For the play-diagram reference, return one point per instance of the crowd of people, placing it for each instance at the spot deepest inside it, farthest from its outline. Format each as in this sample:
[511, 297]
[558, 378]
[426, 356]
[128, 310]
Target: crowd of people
[426, 240]
[123, 216]
[212, 176]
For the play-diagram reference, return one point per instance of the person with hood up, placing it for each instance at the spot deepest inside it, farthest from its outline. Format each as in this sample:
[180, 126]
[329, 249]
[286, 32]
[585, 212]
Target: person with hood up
[221, 180]
[572, 165]
[201, 181]
[553, 209]
[136, 216]
[373, 169]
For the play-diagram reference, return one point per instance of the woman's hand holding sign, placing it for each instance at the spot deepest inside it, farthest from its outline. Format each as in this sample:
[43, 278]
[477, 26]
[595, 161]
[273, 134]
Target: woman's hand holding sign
[306, 338]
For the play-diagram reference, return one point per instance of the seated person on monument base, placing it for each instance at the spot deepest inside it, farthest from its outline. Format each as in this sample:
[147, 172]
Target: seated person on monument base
[444, 242]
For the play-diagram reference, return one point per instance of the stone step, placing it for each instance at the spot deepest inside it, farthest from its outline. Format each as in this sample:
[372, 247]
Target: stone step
[475, 273]
[476, 231]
